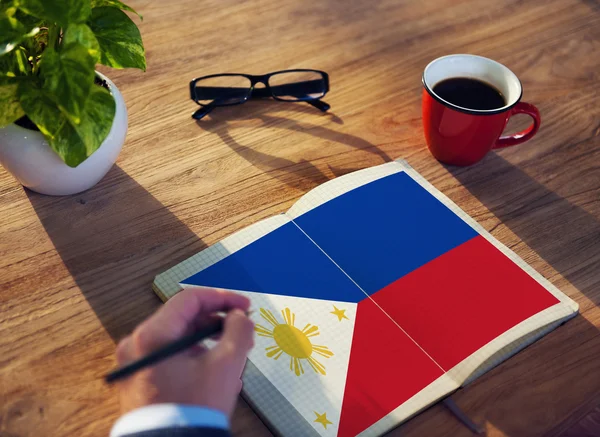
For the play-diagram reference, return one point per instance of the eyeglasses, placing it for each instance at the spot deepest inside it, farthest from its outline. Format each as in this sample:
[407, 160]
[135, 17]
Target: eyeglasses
[233, 89]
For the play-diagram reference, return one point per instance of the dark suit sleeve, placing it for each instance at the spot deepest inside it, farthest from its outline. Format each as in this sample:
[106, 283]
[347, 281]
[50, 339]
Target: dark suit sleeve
[182, 432]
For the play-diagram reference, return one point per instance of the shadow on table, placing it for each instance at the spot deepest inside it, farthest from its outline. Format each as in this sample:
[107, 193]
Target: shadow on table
[298, 175]
[114, 239]
[563, 234]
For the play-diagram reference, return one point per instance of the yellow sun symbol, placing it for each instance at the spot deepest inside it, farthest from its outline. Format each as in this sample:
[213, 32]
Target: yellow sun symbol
[292, 341]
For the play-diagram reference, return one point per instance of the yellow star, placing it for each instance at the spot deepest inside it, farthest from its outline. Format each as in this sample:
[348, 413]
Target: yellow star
[322, 419]
[341, 314]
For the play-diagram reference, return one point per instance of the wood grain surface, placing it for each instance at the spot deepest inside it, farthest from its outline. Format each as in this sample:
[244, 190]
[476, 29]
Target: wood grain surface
[75, 272]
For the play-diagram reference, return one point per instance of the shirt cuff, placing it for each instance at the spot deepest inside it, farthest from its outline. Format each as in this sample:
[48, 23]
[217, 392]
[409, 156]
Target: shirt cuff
[161, 416]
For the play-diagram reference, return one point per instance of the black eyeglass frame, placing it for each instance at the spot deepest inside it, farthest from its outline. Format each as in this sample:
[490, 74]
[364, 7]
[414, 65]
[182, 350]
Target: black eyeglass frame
[260, 92]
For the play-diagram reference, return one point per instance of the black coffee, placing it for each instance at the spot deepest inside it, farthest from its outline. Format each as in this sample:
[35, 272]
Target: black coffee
[470, 93]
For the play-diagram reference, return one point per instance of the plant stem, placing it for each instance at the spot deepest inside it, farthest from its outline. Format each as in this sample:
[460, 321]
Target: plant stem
[53, 35]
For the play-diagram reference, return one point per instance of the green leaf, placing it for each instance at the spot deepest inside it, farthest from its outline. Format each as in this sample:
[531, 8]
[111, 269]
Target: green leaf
[119, 38]
[14, 64]
[11, 108]
[8, 7]
[83, 35]
[114, 4]
[63, 12]
[73, 143]
[97, 118]
[12, 32]
[41, 109]
[68, 75]
[29, 21]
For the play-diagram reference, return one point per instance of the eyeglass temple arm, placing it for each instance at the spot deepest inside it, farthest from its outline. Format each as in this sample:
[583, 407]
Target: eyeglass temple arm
[319, 104]
[202, 112]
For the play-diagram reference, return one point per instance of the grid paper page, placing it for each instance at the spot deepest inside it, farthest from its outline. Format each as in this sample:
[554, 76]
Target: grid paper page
[272, 406]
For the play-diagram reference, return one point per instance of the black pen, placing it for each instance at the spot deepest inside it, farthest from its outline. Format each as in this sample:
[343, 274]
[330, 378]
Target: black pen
[166, 351]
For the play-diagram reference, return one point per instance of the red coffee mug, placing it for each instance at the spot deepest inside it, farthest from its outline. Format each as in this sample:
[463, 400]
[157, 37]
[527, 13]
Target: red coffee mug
[462, 136]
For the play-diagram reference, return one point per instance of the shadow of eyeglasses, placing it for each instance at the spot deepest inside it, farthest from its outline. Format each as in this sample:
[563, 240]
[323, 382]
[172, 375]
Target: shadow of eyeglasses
[302, 174]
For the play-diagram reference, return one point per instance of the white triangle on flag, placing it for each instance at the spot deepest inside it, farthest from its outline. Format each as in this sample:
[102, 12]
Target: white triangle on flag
[321, 340]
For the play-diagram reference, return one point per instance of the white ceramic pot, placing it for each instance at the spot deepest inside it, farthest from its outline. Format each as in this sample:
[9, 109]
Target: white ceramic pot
[26, 154]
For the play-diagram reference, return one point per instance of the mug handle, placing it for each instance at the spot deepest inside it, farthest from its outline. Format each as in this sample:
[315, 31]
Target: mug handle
[524, 135]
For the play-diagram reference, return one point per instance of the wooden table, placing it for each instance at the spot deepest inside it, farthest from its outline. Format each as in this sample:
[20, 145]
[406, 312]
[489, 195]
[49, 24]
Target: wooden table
[76, 271]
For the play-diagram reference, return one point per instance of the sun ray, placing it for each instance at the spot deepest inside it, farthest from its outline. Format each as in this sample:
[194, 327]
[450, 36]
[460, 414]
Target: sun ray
[288, 316]
[316, 364]
[298, 369]
[312, 365]
[312, 331]
[322, 350]
[274, 352]
[269, 317]
[262, 331]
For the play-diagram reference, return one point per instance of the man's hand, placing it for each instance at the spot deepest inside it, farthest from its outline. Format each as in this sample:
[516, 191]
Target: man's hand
[208, 378]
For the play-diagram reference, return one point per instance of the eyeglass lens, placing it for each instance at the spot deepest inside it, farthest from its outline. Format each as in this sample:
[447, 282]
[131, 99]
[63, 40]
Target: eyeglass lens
[222, 90]
[297, 85]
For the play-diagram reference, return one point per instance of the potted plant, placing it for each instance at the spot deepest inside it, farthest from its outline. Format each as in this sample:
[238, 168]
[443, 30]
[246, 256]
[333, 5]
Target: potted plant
[62, 124]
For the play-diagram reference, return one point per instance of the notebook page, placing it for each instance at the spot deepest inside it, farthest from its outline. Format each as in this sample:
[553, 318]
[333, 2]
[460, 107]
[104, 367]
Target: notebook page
[272, 407]
[166, 285]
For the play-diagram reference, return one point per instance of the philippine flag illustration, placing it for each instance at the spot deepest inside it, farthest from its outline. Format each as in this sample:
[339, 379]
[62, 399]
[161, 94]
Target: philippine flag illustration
[356, 306]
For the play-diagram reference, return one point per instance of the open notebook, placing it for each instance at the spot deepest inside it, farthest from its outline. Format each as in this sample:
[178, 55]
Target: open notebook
[374, 297]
